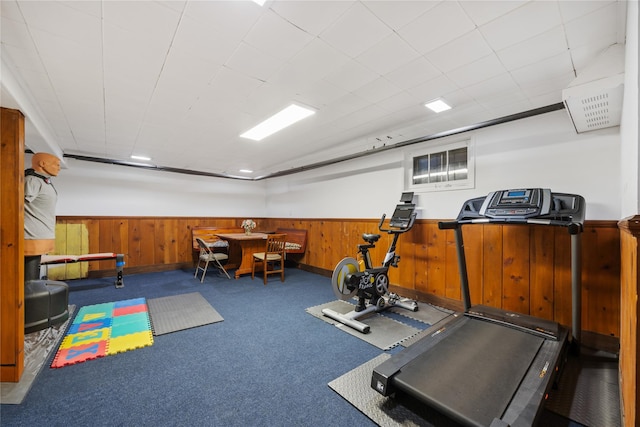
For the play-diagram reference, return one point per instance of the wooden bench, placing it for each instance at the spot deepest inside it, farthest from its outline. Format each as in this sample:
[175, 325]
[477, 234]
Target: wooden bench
[67, 259]
[296, 240]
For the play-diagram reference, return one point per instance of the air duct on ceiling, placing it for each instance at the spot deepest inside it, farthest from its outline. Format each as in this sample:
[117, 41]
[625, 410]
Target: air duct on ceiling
[594, 99]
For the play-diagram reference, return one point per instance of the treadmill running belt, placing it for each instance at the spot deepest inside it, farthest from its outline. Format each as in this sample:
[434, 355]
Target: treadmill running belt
[474, 373]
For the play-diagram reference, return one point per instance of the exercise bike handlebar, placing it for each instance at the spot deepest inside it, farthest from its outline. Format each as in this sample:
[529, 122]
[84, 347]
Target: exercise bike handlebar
[412, 219]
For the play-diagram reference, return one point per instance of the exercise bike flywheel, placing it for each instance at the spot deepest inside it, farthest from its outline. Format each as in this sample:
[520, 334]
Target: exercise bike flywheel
[338, 279]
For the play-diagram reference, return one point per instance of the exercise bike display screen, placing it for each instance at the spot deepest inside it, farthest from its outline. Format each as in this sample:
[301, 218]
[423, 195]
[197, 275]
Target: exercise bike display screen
[402, 215]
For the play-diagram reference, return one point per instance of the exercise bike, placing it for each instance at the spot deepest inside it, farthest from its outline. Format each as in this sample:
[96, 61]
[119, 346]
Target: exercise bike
[371, 284]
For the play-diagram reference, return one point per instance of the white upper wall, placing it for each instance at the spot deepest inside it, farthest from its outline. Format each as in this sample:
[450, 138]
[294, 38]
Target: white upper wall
[97, 189]
[542, 151]
[630, 185]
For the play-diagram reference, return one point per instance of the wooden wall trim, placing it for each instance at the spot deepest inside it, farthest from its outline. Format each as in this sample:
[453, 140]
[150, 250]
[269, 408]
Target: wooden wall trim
[629, 376]
[630, 225]
[521, 268]
[11, 245]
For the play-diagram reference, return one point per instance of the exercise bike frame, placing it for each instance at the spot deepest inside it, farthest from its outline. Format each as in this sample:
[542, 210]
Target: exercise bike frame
[372, 283]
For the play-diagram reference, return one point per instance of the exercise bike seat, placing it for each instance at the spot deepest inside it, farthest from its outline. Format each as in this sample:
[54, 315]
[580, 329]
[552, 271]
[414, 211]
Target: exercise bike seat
[370, 238]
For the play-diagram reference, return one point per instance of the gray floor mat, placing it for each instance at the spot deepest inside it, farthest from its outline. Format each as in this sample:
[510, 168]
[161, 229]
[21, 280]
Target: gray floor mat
[385, 332]
[354, 386]
[426, 313]
[588, 390]
[37, 348]
[179, 312]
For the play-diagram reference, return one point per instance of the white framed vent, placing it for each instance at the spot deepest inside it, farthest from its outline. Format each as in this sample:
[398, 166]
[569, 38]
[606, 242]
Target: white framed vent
[594, 99]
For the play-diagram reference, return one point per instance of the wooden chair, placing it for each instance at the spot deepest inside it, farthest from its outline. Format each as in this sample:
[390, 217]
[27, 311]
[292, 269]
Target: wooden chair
[208, 255]
[273, 256]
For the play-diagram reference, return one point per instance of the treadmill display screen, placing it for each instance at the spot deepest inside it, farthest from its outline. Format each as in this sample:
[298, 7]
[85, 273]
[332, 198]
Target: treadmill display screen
[517, 203]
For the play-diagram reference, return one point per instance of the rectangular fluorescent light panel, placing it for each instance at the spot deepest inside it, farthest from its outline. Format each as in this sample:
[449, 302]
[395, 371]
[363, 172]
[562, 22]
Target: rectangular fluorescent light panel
[437, 106]
[290, 115]
[146, 159]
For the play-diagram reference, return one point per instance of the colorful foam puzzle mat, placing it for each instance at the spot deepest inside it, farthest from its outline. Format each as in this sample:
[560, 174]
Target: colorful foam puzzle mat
[105, 329]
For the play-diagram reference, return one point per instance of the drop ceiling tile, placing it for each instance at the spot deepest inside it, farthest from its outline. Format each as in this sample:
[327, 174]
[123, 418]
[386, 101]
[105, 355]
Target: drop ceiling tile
[584, 56]
[457, 98]
[64, 22]
[476, 72]
[432, 89]
[277, 37]
[413, 73]
[436, 27]
[492, 87]
[187, 72]
[505, 100]
[267, 100]
[311, 64]
[521, 24]
[377, 90]
[355, 31]
[253, 62]
[229, 89]
[553, 85]
[319, 94]
[312, 16]
[14, 34]
[571, 10]
[232, 19]
[390, 54]
[537, 48]
[397, 102]
[399, 13]
[351, 76]
[461, 51]
[482, 12]
[9, 9]
[204, 41]
[595, 27]
[547, 70]
[150, 20]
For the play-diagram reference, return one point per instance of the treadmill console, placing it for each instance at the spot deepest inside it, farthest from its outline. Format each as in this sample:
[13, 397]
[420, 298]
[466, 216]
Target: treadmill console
[524, 205]
[518, 203]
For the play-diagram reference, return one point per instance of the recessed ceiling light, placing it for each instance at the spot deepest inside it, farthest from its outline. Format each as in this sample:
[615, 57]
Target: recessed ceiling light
[144, 158]
[246, 171]
[438, 106]
[278, 121]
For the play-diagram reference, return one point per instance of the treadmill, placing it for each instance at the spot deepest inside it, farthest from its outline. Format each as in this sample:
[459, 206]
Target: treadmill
[487, 366]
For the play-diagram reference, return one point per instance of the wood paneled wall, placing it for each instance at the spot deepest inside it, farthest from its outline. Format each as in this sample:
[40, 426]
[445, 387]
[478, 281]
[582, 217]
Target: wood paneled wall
[630, 281]
[11, 245]
[518, 267]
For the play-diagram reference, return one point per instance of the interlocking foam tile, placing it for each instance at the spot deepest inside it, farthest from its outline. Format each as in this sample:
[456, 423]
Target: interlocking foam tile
[121, 311]
[90, 325]
[93, 312]
[130, 342]
[105, 329]
[130, 302]
[81, 338]
[80, 353]
[129, 324]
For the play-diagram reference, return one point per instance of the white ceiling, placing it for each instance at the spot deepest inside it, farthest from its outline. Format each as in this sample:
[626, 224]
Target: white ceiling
[179, 81]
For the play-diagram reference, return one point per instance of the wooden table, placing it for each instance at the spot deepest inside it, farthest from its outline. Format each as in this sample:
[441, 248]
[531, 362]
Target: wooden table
[241, 249]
